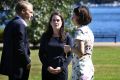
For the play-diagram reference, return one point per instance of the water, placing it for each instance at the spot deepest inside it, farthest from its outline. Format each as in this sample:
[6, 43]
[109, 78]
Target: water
[106, 21]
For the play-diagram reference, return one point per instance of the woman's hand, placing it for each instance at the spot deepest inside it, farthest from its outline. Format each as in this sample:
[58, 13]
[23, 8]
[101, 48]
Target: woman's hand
[54, 70]
[67, 48]
[50, 69]
[29, 66]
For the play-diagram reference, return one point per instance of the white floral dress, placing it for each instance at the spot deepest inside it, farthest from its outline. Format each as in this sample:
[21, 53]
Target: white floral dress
[82, 68]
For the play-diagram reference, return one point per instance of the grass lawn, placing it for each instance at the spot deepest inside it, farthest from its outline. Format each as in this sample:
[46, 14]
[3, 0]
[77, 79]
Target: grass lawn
[106, 61]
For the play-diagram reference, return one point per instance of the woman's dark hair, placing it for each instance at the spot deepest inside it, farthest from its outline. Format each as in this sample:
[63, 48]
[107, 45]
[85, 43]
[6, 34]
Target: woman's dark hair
[49, 31]
[83, 14]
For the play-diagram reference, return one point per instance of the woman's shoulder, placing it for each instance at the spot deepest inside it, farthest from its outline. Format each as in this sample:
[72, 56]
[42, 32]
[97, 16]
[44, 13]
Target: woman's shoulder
[44, 36]
[68, 36]
[83, 29]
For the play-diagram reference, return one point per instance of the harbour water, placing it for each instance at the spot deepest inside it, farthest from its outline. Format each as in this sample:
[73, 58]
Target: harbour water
[106, 21]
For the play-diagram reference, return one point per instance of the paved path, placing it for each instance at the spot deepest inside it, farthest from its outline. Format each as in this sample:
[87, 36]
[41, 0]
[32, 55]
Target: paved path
[106, 44]
[95, 44]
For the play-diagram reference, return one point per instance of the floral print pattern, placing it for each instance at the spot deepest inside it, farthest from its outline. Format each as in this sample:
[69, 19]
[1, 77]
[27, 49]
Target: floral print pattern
[82, 68]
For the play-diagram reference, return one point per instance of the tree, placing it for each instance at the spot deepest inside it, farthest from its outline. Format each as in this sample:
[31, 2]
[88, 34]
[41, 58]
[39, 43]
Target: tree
[43, 9]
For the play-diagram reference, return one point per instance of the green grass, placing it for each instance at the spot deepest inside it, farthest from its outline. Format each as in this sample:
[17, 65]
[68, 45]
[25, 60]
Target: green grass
[106, 61]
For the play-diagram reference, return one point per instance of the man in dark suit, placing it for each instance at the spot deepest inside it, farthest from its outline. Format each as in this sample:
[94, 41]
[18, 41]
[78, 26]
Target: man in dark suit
[15, 61]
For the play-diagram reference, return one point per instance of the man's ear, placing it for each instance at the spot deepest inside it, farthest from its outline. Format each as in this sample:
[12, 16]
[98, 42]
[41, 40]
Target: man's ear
[23, 11]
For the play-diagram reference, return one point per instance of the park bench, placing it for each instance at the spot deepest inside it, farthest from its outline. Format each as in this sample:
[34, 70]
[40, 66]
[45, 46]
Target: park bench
[106, 35]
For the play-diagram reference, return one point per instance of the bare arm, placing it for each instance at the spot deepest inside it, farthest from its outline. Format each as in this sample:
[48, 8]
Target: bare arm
[79, 48]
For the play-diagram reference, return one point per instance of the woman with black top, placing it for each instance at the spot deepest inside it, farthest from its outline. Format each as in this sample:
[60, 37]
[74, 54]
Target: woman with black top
[53, 53]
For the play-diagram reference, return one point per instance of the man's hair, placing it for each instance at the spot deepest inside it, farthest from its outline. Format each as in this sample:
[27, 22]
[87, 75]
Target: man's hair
[21, 5]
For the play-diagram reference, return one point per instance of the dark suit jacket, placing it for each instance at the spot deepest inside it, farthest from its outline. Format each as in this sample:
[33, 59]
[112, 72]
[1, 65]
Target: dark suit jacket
[16, 51]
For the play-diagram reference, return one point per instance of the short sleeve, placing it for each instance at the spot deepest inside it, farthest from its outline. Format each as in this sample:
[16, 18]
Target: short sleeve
[79, 35]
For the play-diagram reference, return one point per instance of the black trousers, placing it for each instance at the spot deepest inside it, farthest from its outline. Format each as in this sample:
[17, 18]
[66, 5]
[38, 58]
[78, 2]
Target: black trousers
[19, 74]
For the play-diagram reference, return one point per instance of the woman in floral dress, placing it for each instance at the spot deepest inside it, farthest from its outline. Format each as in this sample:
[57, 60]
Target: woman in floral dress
[82, 68]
